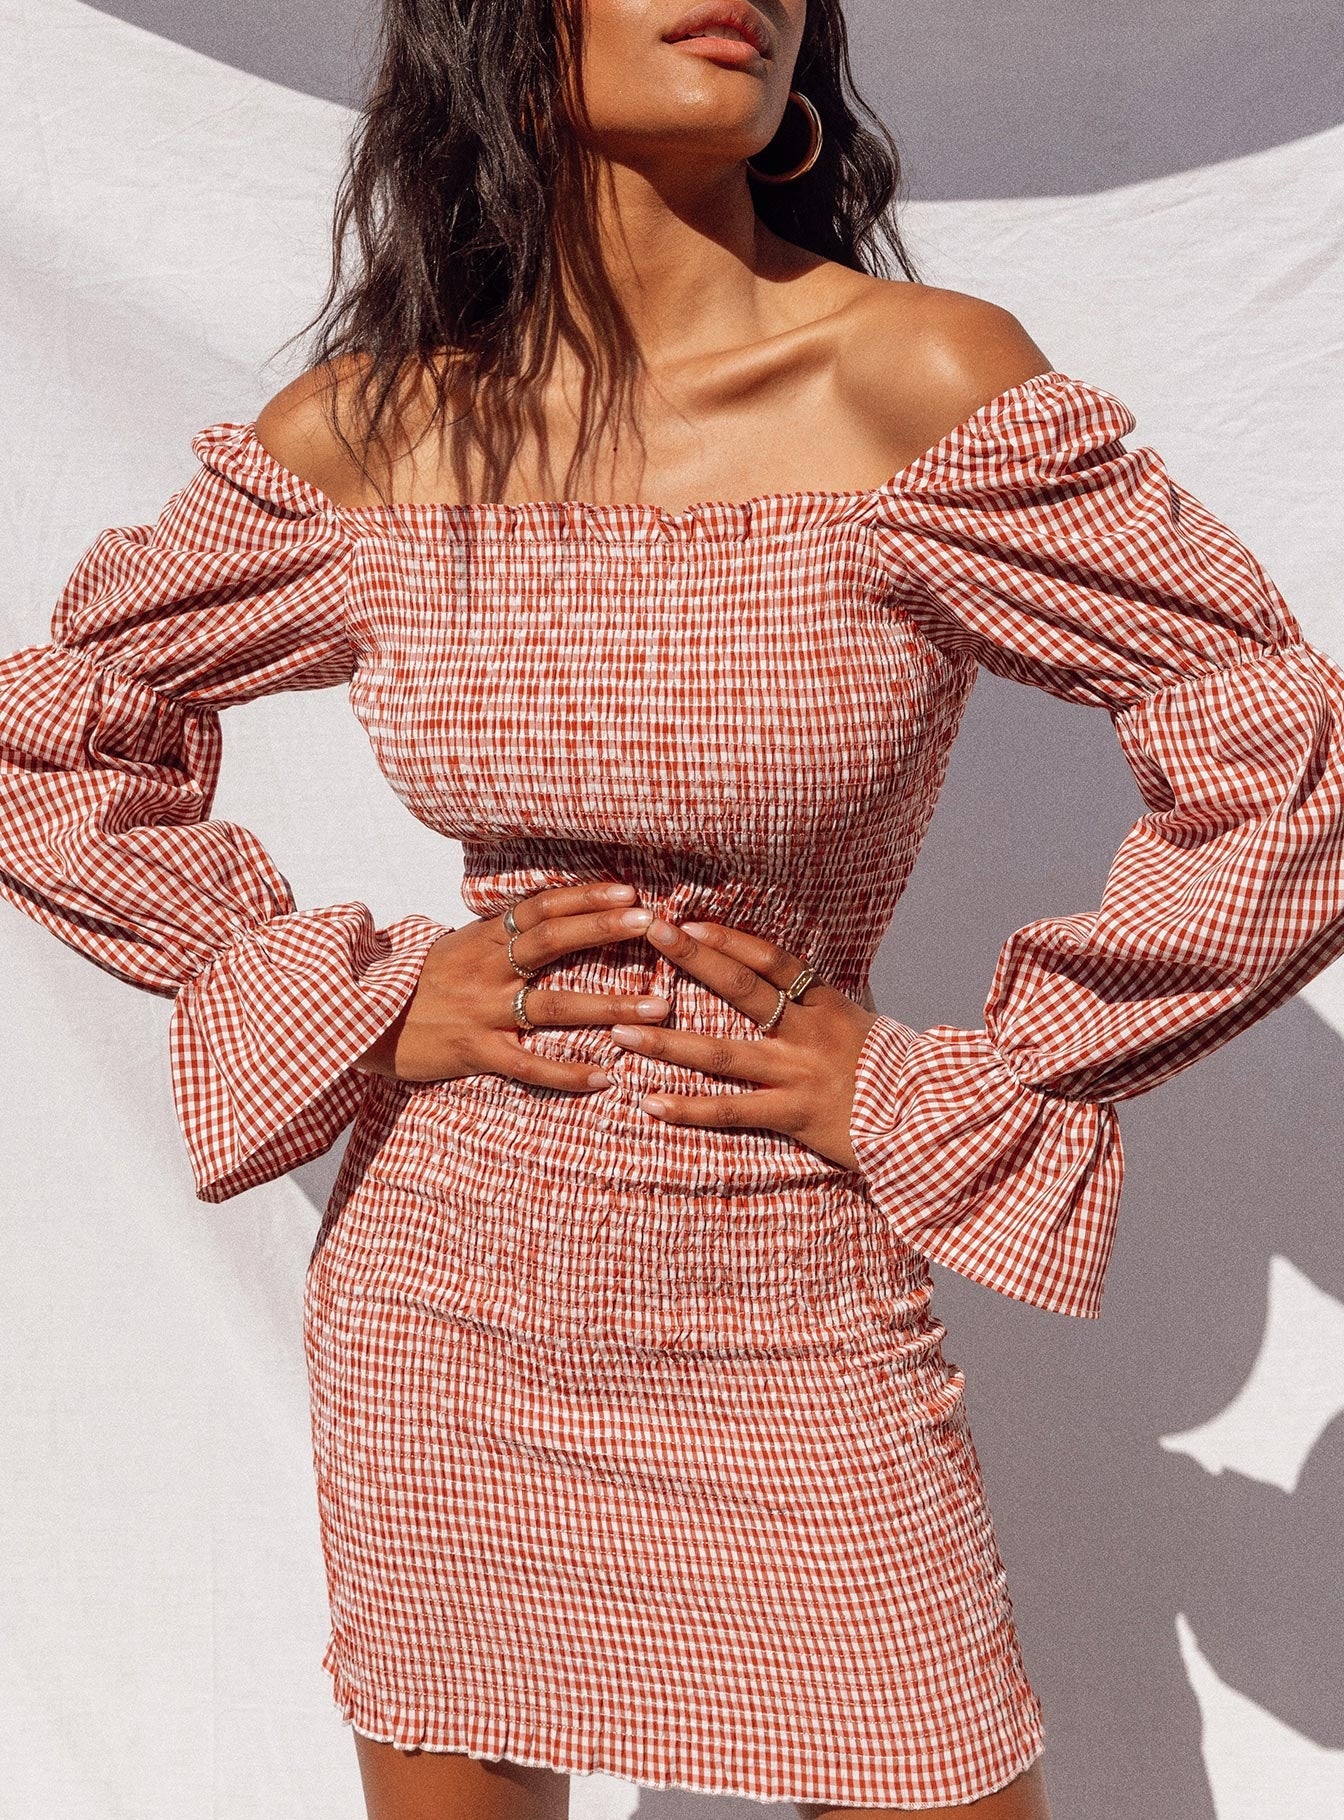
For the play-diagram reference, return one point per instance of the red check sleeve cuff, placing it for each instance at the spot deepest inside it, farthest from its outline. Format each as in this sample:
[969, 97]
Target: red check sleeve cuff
[262, 1039]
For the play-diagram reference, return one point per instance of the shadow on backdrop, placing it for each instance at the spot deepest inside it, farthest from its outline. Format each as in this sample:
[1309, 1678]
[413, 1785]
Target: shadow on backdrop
[1008, 100]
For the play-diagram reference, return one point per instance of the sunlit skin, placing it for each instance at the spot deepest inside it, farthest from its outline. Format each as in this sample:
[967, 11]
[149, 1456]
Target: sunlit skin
[772, 370]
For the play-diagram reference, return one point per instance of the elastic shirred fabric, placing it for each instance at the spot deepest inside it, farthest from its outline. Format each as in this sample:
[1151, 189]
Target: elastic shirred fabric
[636, 1446]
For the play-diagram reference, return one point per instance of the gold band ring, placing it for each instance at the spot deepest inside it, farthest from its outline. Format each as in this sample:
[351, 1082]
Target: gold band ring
[511, 926]
[778, 1011]
[790, 994]
[520, 1017]
[526, 973]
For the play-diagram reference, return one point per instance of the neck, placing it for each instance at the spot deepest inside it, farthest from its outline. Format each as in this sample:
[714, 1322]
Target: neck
[687, 257]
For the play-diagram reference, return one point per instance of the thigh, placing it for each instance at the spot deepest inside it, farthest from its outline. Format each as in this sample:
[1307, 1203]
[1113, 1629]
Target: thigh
[445, 1785]
[1023, 1799]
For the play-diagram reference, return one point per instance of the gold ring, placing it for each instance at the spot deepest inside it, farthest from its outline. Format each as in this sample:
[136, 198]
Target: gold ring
[520, 1017]
[526, 973]
[800, 985]
[778, 1011]
[509, 922]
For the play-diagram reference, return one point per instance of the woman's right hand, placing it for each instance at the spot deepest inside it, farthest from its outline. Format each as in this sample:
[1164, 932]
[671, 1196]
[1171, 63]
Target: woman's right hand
[460, 1018]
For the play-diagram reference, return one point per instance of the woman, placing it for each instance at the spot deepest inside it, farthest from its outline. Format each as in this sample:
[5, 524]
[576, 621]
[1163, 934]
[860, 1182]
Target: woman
[636, 1446]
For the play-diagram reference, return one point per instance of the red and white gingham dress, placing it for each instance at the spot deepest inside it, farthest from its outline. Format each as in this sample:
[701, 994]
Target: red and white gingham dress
[636, 1447]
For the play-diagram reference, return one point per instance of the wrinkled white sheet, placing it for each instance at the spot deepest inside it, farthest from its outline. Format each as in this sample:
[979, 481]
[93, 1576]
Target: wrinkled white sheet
[162, 1609]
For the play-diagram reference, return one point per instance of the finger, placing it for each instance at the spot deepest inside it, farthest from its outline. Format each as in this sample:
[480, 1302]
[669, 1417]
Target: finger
[732, 978]
[510, 1058]
[778, 965]
[546, 1005]
[719, 1111]
[733, 1058]
[570, 900]
[546, 941]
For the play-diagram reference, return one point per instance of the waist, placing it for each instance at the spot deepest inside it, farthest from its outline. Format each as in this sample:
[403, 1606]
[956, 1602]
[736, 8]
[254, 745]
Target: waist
[693, 1006]
[592, 1139]
[578, 1217]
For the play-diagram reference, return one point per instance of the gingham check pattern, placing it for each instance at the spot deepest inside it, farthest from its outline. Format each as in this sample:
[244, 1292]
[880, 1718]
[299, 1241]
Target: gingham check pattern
[1046, 551]
[636, 1446]
[109, 758]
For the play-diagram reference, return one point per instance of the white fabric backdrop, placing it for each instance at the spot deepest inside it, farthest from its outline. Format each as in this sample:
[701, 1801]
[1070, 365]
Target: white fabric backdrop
[162, 1610]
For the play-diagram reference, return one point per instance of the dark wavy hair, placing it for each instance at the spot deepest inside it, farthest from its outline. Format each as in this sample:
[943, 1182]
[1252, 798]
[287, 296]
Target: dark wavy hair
[467, 190]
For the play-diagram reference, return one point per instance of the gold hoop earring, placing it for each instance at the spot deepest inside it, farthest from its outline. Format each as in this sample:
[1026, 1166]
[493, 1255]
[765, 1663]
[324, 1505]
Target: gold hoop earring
[812, 153]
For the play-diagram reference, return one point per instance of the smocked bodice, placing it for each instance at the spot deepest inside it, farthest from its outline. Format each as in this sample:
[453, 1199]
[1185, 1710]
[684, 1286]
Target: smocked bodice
[745, 709]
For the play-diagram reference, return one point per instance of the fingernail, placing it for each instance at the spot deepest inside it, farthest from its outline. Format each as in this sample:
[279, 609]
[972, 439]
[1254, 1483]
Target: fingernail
[599, 1079]
[651, 1007]
[626, 1033]
[696, 929]
[617, 894]
[662, 929]
[637, 919]
[652, 1105]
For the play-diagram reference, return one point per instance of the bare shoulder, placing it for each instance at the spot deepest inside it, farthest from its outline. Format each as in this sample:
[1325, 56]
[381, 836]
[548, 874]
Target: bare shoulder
[295, 426]
[925, 359]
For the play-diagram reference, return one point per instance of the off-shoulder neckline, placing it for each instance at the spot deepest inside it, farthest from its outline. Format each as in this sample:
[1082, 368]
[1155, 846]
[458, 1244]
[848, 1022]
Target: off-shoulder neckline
[639, 518]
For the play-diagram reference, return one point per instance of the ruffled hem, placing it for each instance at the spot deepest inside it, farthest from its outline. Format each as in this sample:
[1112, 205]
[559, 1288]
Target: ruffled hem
[535, 1739]
[1013, 1187]
[263, 1039]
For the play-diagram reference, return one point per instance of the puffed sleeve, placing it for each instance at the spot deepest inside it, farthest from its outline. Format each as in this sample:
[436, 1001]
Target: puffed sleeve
[1033, 542]
[110, 751]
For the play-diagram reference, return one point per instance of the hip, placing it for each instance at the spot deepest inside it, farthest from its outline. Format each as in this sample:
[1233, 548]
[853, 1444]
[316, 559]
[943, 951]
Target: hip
[580, 1218]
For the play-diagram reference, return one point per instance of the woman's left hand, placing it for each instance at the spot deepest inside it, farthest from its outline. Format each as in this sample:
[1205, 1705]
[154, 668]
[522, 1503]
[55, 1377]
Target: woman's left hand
[805, 1062]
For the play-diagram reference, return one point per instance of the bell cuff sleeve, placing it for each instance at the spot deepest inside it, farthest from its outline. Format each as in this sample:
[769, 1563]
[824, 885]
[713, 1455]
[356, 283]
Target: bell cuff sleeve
[1032, 541]
[1013, 1187]
[110, 749]
[263, 1038]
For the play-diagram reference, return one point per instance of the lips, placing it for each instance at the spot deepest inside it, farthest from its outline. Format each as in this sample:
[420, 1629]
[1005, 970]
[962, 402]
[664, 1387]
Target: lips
[722, 19]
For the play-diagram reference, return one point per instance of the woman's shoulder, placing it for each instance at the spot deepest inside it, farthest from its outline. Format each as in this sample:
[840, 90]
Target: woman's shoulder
[921, 360]
[913, 361]
[297, 427]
